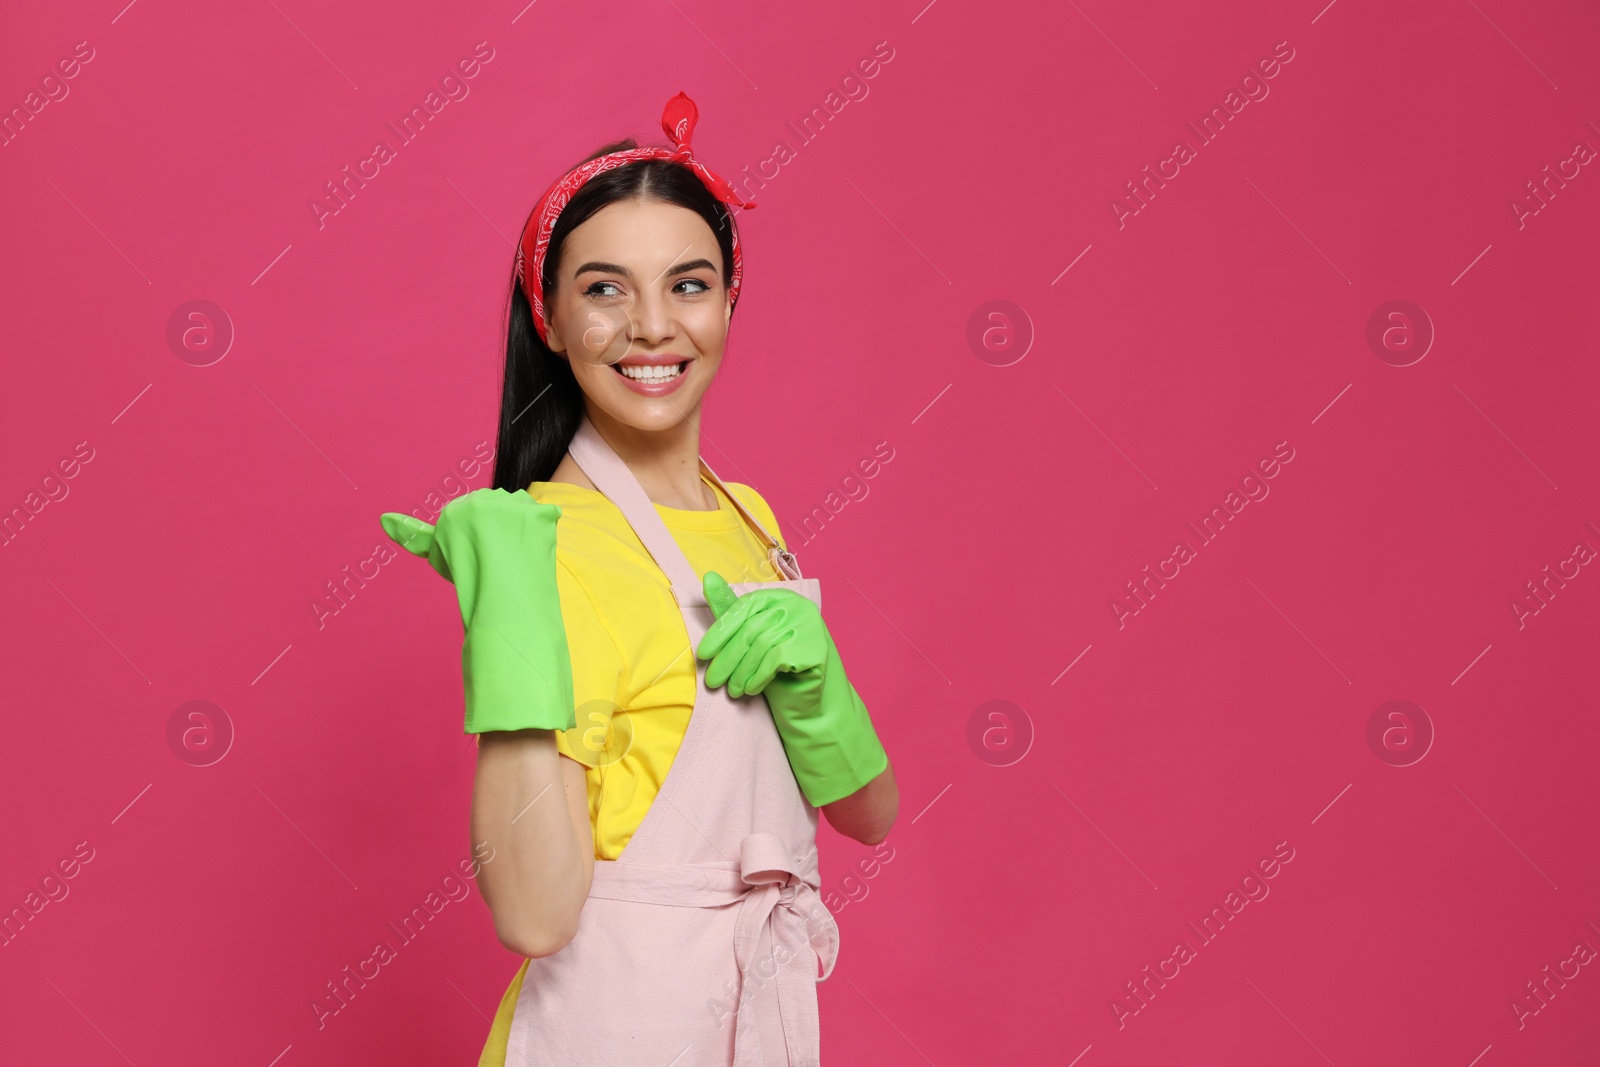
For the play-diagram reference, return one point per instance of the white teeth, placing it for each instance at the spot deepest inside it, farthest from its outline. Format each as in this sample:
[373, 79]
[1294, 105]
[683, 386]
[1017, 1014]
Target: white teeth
[649, 374]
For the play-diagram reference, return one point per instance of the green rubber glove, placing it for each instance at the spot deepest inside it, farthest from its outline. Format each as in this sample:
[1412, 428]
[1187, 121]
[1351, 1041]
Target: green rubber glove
[499, 549]
[774, 642]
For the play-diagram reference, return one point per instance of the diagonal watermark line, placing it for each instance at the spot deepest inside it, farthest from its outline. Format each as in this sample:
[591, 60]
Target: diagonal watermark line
[302, 433]
[901, 232]
[132, 402]
[1513, 44]
[1110, 842]
[101, 232]
[498, 1028]
[726, 459]
[271, 665]
[1323, 12]
[274, 263]
[280, 1055]
[1113, 44]
[1502, 433]
[1071, 665]
[890, 1021]
[1502, 833]
[131, 803]
[313, 44]
[99, 631]
[1102, 433]
[691, 822]
[901, 632]
[1480, 1055]
[1469, 666]
[1301, 632]
[924, 11]
[932, 402]
[1332, 402]
[1069, 266]
[713, 44]
[1290, 1021]
[1331, 803]
[477, 613]
[302, 833]
[88, 1020]
[672, 663]
[1302, 233]
[124, 11]
[532, 402]
[931, 803]
[1474, 263]
[478, 209]
[532, 802]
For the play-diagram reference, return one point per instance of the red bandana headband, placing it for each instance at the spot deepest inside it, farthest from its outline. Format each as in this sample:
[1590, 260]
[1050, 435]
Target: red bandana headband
[678, 119]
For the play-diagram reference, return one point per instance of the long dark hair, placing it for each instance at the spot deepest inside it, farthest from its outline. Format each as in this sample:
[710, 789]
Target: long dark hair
[541, 404]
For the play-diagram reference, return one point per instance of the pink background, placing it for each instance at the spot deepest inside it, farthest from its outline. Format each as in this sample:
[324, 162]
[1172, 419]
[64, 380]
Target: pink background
[1230, 313]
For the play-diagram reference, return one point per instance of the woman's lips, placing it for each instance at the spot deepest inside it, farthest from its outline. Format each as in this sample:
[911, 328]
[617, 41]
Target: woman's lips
[655, 388]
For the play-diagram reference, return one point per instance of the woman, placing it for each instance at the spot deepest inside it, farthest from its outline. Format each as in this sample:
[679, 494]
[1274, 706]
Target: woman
[666, 917]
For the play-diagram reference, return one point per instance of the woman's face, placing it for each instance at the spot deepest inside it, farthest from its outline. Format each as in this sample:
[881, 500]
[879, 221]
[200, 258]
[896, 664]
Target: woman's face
[640, 311]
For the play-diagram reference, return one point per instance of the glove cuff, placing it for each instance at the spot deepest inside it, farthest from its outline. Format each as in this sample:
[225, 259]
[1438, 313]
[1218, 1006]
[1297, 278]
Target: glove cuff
[837, 751]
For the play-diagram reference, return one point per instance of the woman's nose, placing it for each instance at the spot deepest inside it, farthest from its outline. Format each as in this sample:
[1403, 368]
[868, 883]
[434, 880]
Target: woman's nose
[651, 320]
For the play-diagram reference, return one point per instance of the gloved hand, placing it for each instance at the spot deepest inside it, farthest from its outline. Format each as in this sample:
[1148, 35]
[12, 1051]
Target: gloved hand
[499, 548]
[774, 642]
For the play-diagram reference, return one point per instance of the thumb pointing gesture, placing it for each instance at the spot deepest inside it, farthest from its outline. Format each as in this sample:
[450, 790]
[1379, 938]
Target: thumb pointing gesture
[719, 594]
[730, 610]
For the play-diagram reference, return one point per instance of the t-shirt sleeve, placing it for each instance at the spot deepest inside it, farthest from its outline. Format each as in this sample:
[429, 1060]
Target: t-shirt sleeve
[758, 504]
[596, 675]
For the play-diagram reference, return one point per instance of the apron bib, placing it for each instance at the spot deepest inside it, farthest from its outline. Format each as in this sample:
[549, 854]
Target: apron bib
[700, 945]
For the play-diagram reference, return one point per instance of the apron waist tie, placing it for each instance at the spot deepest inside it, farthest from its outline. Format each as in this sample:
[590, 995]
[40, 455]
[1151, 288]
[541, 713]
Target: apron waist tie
[771, 889]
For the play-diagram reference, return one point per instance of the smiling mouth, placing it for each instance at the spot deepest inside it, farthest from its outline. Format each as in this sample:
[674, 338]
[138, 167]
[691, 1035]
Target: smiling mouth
[650, 375]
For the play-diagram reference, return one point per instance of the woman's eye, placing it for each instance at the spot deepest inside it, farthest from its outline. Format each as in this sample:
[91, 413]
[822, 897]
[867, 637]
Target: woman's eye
[684, 287]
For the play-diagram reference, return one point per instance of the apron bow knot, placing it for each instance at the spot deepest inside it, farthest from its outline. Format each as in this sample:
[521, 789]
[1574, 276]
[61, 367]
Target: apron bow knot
[780, 897]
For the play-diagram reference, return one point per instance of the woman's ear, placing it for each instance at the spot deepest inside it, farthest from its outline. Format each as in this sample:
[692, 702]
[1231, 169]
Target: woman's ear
[553, 340]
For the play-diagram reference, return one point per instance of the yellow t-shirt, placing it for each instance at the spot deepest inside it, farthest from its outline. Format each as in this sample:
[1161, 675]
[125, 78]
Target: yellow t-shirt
[633, 672]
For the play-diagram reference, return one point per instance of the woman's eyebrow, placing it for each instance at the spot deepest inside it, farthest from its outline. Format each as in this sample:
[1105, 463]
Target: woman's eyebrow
[612, 268]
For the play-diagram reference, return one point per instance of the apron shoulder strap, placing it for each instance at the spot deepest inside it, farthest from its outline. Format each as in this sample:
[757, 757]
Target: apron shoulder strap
[784, 561]
[610, 475]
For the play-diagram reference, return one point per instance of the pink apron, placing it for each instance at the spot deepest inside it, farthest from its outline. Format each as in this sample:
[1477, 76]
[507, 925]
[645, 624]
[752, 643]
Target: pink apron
[700, 944]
